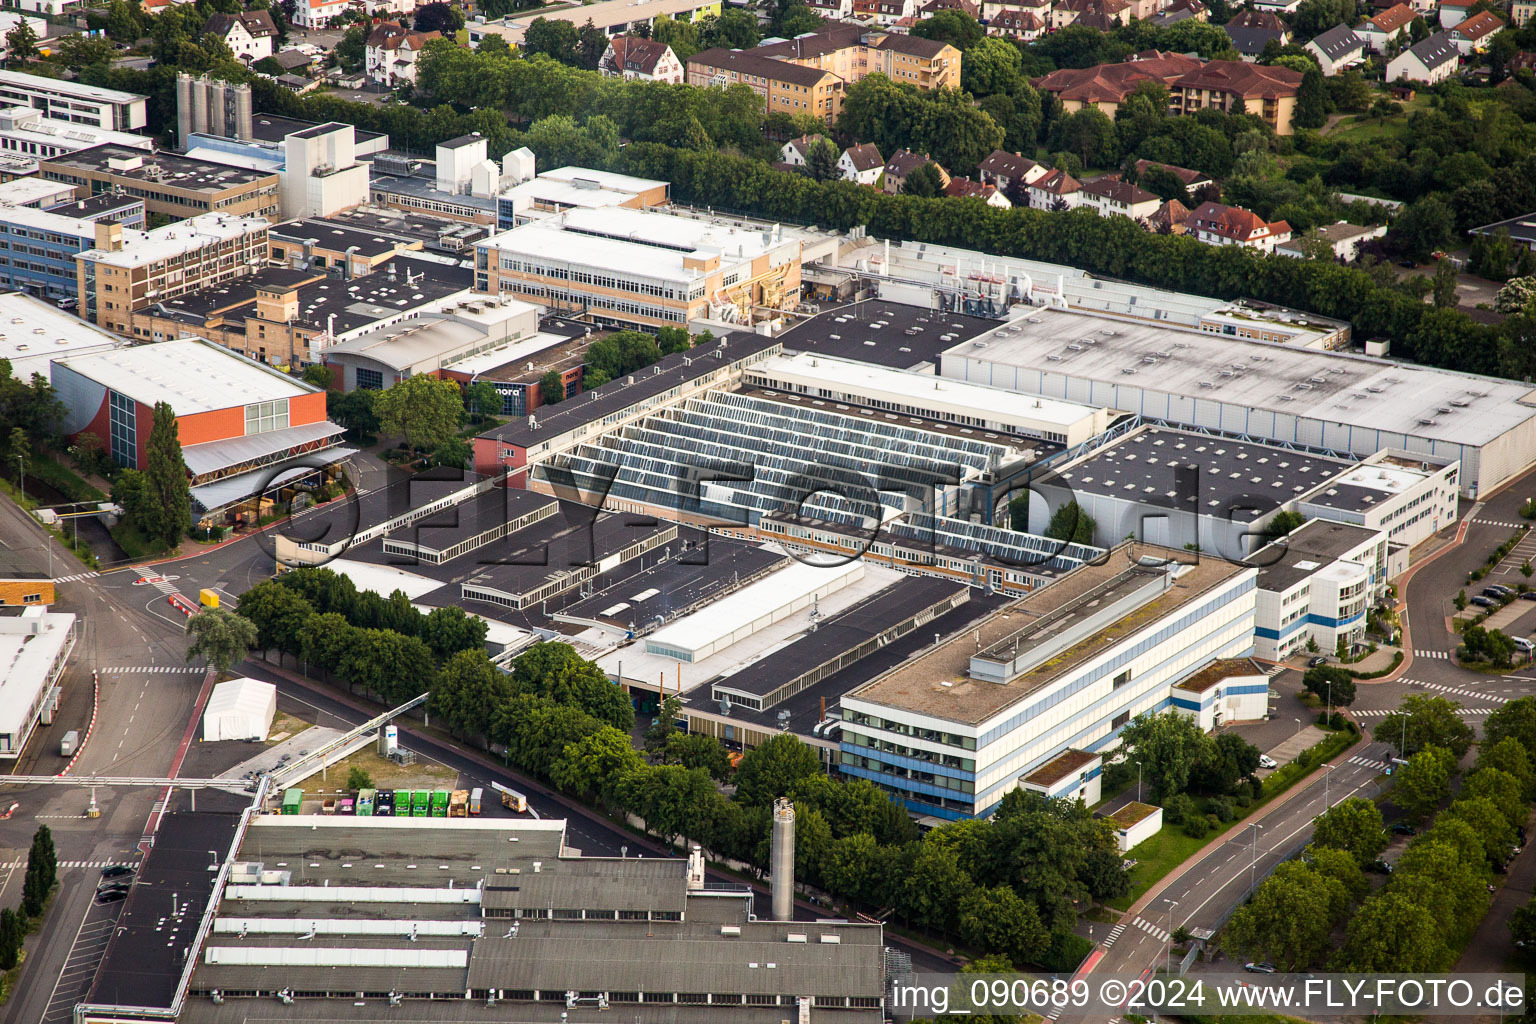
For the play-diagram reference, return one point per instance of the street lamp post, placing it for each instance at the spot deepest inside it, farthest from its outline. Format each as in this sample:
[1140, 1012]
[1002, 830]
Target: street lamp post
[1298, 725]
[1138, 782]
[1168, 965]
[1253, 854]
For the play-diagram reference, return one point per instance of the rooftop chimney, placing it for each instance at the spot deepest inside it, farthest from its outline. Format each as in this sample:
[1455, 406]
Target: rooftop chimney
[781, 860]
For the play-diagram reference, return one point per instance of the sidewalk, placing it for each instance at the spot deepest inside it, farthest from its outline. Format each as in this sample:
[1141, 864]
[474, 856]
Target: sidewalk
[1402, 597]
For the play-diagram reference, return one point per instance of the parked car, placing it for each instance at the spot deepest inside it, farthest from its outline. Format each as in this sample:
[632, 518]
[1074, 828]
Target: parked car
[1313, 662]
[1381, 867]
[1528, 595]
[1402, 828]
[1263, 967]
[111, 895]
[1492, 592]
[1265, 761]
[1483, 602]
[119, 870]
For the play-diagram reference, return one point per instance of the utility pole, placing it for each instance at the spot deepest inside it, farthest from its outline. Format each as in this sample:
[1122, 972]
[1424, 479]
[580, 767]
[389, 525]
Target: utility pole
[1168, 965]
[1253, 854]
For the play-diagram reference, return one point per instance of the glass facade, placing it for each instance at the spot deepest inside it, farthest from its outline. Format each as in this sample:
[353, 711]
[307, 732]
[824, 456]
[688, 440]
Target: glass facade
[123, 425]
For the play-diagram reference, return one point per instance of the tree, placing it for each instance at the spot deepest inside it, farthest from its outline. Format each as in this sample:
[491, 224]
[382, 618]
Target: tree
[1515, 721]
[733, 29]
[1444, 284]
[1517, 296]
[358, 778]
[696, 750]
[554, 670]
[42, 872]
[1507, 755]
[450, 629]
[661, 729]
[352, 50]
[1493, 646]
[1354, 826]
[481, 397]
[595, 764]
[468, 691]
[439, 17]
[1312, 102]
[21, 43]
[1166, 746]
[1089, 135]
[167, 494]
[18, 454]
[1224, 762]
[1429, 721]
[278, 613]
[355, 411]
[821, 161]
[1460, 600]
[1334, 685]
[1424, 782]
[1290, 918]
[1499, 788]
[80, 50]
[123, 24]
[1393, 932]
[556, 38]
[1072, 524]
[1424, 226]
[923, 182]
[452, 453]
[326, 378]
[552, 388]
[1282, 524]
[1164, 184]
[991, 66]
[956, 28]
[682, 36]
[771, 769]
[12, 931]
[1522, 928]
[425, 410]
[221, 638]
[934, 889]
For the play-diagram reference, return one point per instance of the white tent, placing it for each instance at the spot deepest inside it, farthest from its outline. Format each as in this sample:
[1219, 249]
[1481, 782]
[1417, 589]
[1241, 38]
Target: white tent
[240, 709]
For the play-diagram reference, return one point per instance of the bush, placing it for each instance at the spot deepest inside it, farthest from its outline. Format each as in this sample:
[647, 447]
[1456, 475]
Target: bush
[1223, 808]
[1197, 826]
[1178, 808]
[1065, 952]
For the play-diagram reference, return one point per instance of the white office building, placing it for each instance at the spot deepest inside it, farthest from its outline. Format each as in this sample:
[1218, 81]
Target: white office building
[62, 100]
[1411, 499]
[950, 732]
[1316, 584]
[32, 133]
[1225, 691]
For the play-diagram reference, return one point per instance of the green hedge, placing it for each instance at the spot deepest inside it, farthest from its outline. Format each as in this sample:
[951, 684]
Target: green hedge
[1287, 775]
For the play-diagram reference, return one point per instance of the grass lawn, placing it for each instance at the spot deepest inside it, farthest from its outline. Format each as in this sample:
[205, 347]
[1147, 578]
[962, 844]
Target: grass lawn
[1365, 128]
[284, 726]
[385, 773]
[1157, 856]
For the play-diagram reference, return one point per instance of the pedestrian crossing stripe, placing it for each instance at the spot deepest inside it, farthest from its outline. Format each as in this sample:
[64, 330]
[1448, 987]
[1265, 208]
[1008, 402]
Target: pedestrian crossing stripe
[1432, 654]
[1383, 712]
[93, 864]
[1500, 522]
[160, 669]
[1459, 692]
[77, 577]
[1151, 929]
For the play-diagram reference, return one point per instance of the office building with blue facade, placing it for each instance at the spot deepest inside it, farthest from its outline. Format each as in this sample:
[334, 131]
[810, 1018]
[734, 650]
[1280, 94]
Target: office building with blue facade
[1064, 669]
[1316, 584]
[38, 247]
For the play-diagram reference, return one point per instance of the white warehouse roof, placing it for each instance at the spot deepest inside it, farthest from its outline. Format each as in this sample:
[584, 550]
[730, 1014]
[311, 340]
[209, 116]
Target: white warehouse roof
[751, 608]
[240, 709]
[190, 374]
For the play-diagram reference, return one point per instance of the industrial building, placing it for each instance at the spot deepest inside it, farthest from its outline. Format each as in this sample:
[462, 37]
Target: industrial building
[245, 429]
[35, 644]
[948, 733]
[645, 269]
[38, 246]
[1350, 405]
[32, 133]
[1180, 489]
[1225, 691]
[517, 370]
[461, 184]
[239, 709]
[1411, 498]
[128, 269]
[33, 333]
[1315, 585]
[434, 342]
[171, 185]
[75, 102]
[573, 188]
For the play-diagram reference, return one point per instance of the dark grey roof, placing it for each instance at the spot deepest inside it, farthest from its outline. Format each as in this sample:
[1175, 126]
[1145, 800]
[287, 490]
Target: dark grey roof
[1311, 546]
[462, 141]
[681, 585]
[1251, 40]
[1520, 229]
[1337, 42]
[911, 335]
[1435, 51]
[333, 235]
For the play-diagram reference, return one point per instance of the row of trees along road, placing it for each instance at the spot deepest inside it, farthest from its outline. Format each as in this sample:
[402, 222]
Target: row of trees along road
[1013, 884]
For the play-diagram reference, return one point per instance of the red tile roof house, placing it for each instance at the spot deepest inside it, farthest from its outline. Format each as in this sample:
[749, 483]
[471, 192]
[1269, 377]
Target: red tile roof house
[965, 188]
[1191, 180]
[1383, 28]
[1057, 190]
[631, 57]
[1217, 224]
[1475, 33]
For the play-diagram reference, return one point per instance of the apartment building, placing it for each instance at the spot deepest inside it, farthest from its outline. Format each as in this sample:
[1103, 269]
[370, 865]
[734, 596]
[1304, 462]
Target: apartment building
[74, 102]
[173, 186]
[851, 51]
[129, 269]
[1107, 85]
[645, 269]
[786, 87]
[1267, 91]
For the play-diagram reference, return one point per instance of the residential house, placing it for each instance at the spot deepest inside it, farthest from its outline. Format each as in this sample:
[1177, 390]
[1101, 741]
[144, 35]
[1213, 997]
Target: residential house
[1218, 224]
[1454, 12]
[1039, 8]
[630, 57]
[883, 13]
[1181, 10]
[1094, 13]
[1521, 230]
[786, 87]
[1171, 218]
[924, 63]
[249, 34]
[850, 52]
[1109, 195]
[1277, 6]
[1011, 23]
[295, 61]
[1475, 33]
[796, 152]
[1386, 27]
[1344, 239]
[902, 163]
[1433, 60]
[933, 7]
[391, 51]
[1003, 169]
[1107, 85]
[1337, 49]
[1521, 12]
[1251, 30]
[862, 164]
[1268, 91]
[831, 10]
[1056, 190]
[965, 188]
[1192, 181]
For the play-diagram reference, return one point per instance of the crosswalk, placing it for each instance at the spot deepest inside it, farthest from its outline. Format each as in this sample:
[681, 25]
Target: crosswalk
[1459, 692]
[1368, 762]
[1114, 933]
[153, 669]
[1151, 929]
[1499, 522]
[77, 577]
[1442, 655]
[154, 579]
[1383, 712]
[98, 864]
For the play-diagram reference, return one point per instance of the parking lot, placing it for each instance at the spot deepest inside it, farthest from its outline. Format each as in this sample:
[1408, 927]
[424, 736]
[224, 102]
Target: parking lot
[85, 955]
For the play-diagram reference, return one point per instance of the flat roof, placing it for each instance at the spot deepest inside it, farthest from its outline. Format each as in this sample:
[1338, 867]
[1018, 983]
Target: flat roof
[160, 168]
[30, 644]
[1460, 408]
[426, 188]
[172, 240]
[1132, 813]
[336, 235]
[191, 374]
[882, 384]
[67, 87]
[274, 128]
[336, 521]
[1364, 487]
[751, 604]
[483, 512]
[678, 585]
[33, 333]
[1060, 767]
[97, 205]
[938, 684]
[1216, 671]
[1242, 480]
[619, 394]
[1313, 545]
[398, 285]
[884, 333]
[605, 179]
[527, 360]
